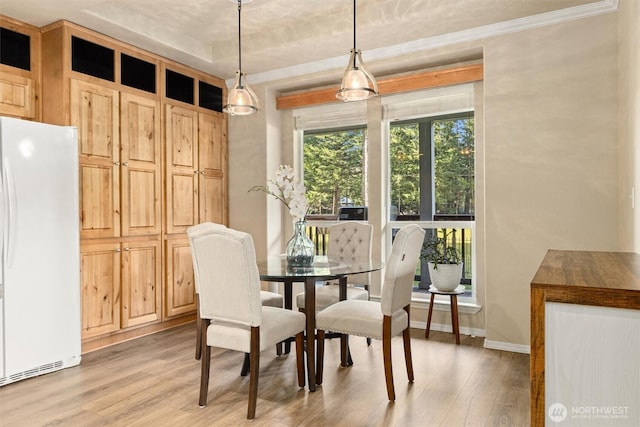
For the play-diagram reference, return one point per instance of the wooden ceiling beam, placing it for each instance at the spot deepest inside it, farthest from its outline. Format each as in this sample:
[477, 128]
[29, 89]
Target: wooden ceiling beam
[388, 86]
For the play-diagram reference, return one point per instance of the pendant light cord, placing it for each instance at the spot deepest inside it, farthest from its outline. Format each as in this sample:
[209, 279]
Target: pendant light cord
[239, 42]
[354, 34]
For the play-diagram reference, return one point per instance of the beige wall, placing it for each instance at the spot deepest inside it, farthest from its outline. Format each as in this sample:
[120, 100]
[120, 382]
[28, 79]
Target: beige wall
[629, 46]
[551, 157]
[549, 174]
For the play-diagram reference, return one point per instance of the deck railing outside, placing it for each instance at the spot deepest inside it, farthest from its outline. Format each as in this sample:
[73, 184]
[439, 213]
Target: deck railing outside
[460, 234]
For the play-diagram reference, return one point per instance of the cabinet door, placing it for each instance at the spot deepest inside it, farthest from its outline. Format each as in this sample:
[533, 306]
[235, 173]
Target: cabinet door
[182, 168]
[141, 290]
[94, 111]
[140, 166]
[100, 282]
[17, 96]
[180, 283]
[212, 152]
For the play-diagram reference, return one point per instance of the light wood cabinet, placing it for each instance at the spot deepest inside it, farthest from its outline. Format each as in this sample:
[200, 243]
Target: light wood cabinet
[195, 193]
[152, 162]
[20, 70]
[212, 155]
[100, 282]
[181, 285]
[17, 96]
[196, 162]
[141, 282]
[140, 166]
[94, 111]
[121, 285]
[181, 138]
[120, 173]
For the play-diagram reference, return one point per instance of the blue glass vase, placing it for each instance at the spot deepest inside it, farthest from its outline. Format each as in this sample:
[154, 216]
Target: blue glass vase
[300, 248]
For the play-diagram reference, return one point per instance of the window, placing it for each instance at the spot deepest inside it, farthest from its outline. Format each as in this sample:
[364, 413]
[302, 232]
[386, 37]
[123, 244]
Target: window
[334, 169]
[432, 168]
[432, 182]
[427, 142]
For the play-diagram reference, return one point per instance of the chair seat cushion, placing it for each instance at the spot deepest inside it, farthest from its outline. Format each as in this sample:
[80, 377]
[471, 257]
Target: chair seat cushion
[277, 325]
[357, 317]
[271, 299]
[330, 294]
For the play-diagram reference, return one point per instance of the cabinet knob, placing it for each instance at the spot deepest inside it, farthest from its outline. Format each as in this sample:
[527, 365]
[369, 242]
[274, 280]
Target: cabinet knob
[117, 250]
[196, 172]
[126, 249]
[202, 172]
[125, 164]
[116, 163]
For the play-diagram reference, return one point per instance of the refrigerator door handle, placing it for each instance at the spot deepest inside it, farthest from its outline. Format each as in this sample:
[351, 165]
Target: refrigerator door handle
[3, 217]
[10, 210]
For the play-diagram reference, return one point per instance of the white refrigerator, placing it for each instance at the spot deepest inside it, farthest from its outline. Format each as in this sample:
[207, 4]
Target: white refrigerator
[39, 247]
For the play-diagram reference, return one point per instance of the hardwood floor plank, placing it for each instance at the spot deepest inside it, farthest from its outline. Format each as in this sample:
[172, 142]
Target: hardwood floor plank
[154, 381]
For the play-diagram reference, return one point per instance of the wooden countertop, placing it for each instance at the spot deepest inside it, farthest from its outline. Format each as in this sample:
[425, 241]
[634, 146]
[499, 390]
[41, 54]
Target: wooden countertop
[591, 270]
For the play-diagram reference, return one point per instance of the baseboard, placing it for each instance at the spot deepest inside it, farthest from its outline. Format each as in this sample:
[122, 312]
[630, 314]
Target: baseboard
[474, 332]
[507, 346]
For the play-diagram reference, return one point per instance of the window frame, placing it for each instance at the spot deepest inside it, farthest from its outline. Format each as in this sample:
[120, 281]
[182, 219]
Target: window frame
[427, 156]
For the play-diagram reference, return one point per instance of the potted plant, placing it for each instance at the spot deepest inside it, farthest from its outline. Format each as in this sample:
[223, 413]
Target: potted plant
[444, 261]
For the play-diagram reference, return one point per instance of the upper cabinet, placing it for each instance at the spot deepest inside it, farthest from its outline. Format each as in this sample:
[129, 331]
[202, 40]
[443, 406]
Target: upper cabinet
[19, 69]
[195, 151]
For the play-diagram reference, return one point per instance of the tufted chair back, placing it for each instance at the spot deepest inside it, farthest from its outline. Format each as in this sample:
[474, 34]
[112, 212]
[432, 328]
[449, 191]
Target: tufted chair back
[350, 241]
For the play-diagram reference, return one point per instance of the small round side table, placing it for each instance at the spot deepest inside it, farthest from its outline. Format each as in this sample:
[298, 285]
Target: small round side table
[453, 295]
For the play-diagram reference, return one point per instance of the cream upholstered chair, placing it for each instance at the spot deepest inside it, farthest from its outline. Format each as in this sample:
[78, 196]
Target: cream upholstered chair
[349, 241]
[270, 299]
[232, 313]
[387, 318]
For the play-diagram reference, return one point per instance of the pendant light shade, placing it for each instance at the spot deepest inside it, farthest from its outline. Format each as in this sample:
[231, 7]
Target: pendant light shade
[241, 100]
[357, 83]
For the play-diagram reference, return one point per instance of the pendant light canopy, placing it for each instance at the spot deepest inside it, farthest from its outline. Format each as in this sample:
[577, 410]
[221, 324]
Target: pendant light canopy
[357, 83]
[241, 100]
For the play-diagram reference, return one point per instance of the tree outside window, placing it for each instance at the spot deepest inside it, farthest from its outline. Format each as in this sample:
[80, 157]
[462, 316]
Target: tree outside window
[432, 167]
[334, 165]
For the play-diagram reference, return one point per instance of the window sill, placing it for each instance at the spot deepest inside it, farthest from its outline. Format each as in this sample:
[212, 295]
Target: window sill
[444, 304]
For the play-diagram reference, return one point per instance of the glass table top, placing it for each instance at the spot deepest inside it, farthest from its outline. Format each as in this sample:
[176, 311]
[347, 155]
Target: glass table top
[276, 268]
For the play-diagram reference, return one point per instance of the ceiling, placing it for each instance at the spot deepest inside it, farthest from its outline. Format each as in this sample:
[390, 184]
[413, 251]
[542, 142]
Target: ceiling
[289, 37]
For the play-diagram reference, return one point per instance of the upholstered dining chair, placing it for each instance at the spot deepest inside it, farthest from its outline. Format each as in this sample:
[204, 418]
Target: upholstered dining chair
[349, 241]
[380, 320]
[232, 313]
[271, 299]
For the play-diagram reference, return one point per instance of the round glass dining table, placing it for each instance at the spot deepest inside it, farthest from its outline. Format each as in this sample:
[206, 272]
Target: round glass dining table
[276, 269]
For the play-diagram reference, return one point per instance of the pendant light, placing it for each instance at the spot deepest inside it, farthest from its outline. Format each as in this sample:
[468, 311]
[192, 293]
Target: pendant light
[241, 100]
[357, 83]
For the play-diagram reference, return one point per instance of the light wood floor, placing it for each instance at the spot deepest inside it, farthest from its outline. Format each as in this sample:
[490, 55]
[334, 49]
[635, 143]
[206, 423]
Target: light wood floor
[154, 381]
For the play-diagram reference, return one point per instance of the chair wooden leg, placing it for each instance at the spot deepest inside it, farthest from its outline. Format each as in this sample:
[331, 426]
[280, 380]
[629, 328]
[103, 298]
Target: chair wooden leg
[198, 338]
[254, 357]
[406, 338]
[345, 355]
[204, 376]
[300, 357]
[386, 350]
[406, 335]
[245, 365]
[198, 330]
[320, 360]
